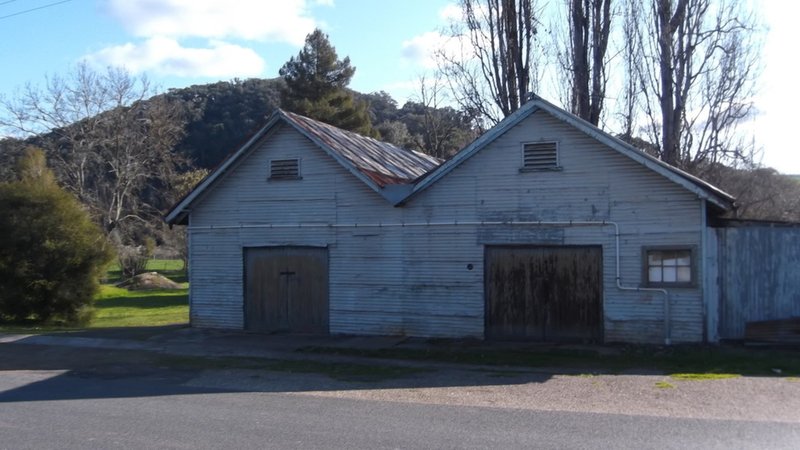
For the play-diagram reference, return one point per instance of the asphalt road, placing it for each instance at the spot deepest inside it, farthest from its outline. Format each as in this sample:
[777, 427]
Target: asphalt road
[41, 409]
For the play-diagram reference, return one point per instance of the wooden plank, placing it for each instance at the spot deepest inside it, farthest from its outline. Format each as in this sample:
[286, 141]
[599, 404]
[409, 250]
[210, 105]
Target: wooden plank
[286, 289]
[265, 295]
[544, 293]
[308, 296]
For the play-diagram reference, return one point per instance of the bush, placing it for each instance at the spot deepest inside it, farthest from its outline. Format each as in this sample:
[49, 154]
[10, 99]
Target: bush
[52, 253]
[133, 259]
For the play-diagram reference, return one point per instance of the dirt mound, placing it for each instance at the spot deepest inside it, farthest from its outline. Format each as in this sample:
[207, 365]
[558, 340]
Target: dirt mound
[149, 280]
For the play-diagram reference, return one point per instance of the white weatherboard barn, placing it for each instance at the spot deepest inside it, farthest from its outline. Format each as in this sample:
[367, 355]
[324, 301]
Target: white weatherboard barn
[544, 228]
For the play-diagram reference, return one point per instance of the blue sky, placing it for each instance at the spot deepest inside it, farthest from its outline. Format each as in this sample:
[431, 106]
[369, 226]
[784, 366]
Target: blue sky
[182, 42]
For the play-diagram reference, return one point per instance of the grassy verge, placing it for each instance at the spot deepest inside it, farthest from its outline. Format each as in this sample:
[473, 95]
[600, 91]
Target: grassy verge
[690, 362]
[337, 371]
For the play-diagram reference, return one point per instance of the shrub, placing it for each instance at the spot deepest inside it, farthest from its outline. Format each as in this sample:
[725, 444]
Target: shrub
[133, 259]
[52, 253]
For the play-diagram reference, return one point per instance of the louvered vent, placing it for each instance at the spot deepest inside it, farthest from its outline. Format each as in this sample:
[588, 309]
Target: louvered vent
[540, 156]
[284, 169]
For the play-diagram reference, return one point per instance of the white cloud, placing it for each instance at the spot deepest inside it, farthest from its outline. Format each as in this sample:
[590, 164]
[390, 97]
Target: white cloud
[420, 50]
[283, 21]
[323, 2]
[451, 13]
[166, 56]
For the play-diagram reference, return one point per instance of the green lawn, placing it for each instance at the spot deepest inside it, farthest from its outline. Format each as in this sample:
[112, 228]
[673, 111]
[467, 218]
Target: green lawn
[119, 307]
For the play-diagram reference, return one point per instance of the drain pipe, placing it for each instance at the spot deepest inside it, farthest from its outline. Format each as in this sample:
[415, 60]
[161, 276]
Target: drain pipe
[667, 313]
[620, 286]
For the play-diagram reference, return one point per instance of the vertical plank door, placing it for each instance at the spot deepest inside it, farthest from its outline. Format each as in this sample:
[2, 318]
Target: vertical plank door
[543, 293]
[286, 289]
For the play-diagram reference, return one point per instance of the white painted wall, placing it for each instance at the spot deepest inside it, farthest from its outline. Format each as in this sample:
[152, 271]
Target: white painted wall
[414, 280]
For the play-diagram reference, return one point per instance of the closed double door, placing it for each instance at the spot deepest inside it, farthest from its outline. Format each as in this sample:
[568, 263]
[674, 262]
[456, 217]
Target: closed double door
[286, 289]
[544, 293]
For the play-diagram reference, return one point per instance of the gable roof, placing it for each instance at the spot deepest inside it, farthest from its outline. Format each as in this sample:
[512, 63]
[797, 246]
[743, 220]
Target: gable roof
[381, 162]
[398, 174]
[702, 189]
[387, 169]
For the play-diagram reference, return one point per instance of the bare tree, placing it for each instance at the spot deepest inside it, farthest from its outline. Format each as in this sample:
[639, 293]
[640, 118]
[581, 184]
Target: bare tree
[492, 72]
[589, 31]
[631, 52]
[443, 130]
[697, 70]
[107, 146]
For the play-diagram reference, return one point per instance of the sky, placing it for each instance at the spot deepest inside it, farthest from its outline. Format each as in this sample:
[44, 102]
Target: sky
[177, 43]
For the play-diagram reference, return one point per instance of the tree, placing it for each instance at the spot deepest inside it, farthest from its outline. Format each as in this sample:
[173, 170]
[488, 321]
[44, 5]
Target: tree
[697, 67]
[434, 129]
[175, 237]
[108, 146]
[494, 69]
[589, 31]
[761, 193]
[631, 50]
[53, 254]
[220, 115]
[316, 86]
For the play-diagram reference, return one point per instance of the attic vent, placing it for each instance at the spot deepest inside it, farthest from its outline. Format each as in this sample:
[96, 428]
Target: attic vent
[540, 156]
[284, 169]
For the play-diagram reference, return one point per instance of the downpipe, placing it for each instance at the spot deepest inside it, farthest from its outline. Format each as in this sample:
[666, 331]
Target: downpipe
[567, 223]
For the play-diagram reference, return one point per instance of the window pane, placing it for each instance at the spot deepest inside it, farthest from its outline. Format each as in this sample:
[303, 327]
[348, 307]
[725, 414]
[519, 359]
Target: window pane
[684, 258]
[684, 274]
[669, 259]
[654, 275]
[653, 258]
[670, 275]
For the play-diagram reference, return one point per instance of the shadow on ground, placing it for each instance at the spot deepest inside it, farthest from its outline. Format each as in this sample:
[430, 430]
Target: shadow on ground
[177, 360]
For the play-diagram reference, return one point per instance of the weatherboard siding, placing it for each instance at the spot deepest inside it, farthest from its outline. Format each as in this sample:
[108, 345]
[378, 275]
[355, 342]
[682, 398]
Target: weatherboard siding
[416, 280]
[594, 184]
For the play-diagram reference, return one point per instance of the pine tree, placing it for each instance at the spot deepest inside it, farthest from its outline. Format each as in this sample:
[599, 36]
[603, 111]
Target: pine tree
[316, 87]
[51, 253]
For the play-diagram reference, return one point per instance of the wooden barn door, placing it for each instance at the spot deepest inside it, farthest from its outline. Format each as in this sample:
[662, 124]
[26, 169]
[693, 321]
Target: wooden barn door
[286, 289]
[544, 293]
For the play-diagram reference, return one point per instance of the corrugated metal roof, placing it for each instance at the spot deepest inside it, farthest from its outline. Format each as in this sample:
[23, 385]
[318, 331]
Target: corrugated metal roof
[382, 162]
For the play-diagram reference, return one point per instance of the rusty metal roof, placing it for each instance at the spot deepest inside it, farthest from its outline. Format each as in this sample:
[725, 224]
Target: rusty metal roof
[381, 162]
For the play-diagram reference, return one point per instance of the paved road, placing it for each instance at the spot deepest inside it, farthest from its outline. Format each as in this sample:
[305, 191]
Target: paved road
[66, 409]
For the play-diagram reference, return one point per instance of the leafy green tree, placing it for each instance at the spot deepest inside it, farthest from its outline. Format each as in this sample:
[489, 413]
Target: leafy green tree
[316, 86]
[52, 252]
[221, 115]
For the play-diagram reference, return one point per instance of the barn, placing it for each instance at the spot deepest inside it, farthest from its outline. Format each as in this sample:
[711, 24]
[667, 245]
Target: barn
[545, 228]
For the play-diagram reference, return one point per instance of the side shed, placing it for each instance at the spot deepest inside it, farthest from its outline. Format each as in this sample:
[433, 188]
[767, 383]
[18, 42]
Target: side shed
[759, 274]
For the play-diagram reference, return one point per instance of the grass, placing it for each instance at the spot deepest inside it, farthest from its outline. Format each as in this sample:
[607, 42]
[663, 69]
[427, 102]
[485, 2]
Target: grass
[170, 268]
[664, 385]
[337, 371]
[700, 362]
[118, 307]
[703, 376]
